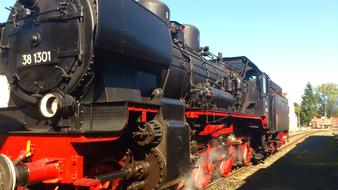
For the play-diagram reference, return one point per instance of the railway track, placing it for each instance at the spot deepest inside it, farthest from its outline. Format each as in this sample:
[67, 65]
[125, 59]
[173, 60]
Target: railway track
[237, 177]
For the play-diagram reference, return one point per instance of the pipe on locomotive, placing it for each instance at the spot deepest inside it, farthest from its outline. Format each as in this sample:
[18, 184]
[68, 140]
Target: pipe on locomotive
[16, 174]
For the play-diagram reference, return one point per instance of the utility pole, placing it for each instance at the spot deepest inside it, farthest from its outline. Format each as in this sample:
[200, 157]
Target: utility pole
[325, 109]
[325, 102]
[300, 128]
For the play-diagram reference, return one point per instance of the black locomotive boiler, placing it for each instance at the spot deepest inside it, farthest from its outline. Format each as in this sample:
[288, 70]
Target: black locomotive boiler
[115, 95]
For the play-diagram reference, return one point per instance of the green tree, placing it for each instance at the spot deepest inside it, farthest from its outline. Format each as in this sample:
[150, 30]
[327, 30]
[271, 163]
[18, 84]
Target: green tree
[328, 96]
[297, 108]
[309, 105]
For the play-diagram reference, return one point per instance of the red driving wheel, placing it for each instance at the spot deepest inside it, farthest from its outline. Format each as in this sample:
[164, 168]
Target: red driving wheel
[247, 153]
[226, 163]
[281, 138]
[202, 174]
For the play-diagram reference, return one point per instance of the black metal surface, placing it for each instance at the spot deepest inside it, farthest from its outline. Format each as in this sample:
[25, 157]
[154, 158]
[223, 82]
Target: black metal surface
[172, 109]
[36, 60]
[178, 149]
[120, 82]
[111, 117]
[28, 3]
[221, 99]
[140, 35]
[280, 114]
[252, 103]
[191, 36]
[22, 174]
[189, 69]
[158, 8]
[111, 176]
[11, 119]
[175, 141]
[274, 88]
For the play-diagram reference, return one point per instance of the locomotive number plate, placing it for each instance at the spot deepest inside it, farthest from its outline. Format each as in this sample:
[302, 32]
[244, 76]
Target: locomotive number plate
[35, 58]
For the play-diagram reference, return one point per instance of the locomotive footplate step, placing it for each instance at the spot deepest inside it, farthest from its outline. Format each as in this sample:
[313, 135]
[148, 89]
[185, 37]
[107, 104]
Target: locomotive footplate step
[312, 164]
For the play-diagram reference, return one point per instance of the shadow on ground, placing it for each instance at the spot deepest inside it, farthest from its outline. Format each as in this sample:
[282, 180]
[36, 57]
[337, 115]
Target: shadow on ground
[312, 164]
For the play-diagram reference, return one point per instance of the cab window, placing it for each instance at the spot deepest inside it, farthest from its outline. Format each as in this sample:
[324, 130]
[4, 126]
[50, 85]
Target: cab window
[264, 81]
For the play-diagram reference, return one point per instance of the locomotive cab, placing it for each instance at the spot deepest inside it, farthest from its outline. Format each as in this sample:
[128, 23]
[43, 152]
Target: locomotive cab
[252, 77]
[263, 96]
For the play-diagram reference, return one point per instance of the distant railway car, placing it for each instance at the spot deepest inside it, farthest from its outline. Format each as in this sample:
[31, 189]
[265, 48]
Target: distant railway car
[334, 127]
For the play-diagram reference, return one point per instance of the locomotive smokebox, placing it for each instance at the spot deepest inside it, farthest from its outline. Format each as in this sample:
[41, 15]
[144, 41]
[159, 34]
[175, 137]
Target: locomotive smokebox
[191, 36]
[158, 8]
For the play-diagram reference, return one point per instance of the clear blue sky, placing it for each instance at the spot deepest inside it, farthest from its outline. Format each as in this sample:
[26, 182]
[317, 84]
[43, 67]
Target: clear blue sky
[294, 41]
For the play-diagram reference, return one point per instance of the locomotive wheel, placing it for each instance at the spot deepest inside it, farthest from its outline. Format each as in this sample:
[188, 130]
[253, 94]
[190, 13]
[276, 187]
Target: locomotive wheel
[225, 166]
[281, 138]
[201, 176]
[7, 173]
[156, 171]
[272, 147]
[150, 134]
[247, 153]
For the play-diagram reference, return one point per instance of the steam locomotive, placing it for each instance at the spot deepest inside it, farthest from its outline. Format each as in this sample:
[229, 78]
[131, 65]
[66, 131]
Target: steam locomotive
[114, 95]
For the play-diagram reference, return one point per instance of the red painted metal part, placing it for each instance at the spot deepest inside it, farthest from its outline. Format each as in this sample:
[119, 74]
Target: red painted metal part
[87, 182]
[138, 109]
[216, 158]
[100, 169]
[264, 122]
[210, 129]
[94, 184]
[44, 169]
[195, 114]
[143, 112]
[228, 159]
[246, 153]
[201, 175]
[53, 159]
[216, 130]
[282, 135]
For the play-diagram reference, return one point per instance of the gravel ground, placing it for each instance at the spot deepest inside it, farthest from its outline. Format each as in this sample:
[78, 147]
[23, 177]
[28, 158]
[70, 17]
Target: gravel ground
[311, 163]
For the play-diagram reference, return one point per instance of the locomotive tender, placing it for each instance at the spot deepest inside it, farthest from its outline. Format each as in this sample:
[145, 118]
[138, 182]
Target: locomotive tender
[114, 95]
